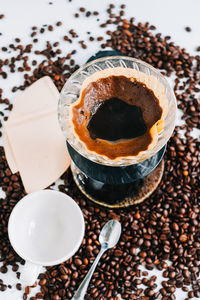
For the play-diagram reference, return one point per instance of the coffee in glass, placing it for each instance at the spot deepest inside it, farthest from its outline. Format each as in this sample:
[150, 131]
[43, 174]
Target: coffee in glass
[115, 115]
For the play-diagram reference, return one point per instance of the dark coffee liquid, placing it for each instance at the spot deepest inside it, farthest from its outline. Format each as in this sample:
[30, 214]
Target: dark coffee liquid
[115, 119]
[115, 115]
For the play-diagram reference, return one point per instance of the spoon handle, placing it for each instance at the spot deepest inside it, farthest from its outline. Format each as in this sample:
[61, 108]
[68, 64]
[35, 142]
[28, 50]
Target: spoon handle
[80, 293]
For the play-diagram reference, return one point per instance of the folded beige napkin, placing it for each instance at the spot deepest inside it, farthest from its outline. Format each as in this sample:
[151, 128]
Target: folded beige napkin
[33, 141]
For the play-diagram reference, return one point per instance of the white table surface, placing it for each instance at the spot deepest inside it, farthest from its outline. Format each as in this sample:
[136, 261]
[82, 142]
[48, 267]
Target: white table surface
[170, 17]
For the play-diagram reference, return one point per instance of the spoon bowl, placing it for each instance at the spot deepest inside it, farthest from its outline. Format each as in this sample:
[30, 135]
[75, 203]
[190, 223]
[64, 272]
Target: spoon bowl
[110, 234]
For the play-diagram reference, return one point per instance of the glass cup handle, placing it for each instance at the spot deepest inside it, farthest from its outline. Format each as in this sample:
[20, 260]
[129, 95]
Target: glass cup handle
[29, 273]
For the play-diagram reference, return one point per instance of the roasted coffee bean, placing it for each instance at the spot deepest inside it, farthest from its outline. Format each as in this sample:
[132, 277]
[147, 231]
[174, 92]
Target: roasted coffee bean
[19, 286]
[50, 28]
[191, 294]
[39, 295]
[172, 274]
[183, 238]
[4, 269]
[186, 273]
[58, 23]
[78, 262]
[188, 29]
[3, 287]
[42, 281]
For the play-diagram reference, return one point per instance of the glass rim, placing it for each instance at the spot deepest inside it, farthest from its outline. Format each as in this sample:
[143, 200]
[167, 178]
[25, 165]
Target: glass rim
[85, 65]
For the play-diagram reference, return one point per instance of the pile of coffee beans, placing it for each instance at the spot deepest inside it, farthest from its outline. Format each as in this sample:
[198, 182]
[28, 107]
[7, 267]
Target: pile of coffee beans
[163, 232]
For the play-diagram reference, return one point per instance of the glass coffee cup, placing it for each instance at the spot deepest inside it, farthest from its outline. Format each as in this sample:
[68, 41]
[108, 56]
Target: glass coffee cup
[126, 180]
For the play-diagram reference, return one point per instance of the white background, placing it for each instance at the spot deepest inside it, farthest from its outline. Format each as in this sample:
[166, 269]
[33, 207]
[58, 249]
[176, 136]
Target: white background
[170, 17]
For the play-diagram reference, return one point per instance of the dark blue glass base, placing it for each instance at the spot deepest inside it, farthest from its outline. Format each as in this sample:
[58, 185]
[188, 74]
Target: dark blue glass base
[115, 175]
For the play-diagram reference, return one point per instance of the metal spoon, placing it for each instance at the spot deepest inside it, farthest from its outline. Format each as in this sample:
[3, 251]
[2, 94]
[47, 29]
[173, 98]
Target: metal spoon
[108, 238]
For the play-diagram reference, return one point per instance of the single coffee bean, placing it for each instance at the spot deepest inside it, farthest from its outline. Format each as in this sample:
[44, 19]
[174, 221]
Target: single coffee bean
[42, 281]
[19, 286]
[4, 269]
[78, 262]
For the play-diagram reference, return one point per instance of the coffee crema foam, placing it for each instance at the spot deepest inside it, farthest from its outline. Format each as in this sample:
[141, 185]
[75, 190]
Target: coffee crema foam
[135, 88]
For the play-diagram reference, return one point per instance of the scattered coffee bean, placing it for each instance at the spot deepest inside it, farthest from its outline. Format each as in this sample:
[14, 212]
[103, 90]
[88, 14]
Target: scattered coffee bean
[188, 29]
[19, 286]
[4, 269]
[42, 281]
[88, 13]
[58, 23]
[50, 28]
[3, 287]
[4, 49]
